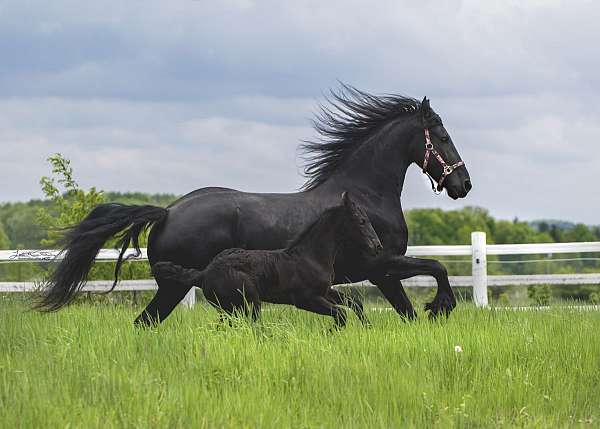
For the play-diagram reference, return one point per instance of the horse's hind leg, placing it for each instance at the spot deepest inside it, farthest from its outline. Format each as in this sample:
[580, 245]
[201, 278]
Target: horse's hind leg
[250, 305]
[230, 300]
[168, 295]
[227, 310]
[321, 305]
[254, 309]
[350, 300]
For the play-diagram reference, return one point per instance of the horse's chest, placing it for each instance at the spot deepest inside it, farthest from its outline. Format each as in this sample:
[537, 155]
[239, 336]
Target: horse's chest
[393, 233]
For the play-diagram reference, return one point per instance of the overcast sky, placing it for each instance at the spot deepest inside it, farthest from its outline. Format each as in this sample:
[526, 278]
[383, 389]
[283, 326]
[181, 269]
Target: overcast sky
[172, 96]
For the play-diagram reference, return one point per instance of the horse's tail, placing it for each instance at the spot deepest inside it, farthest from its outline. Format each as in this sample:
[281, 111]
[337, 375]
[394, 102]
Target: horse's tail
[83, 241]
[184, 276]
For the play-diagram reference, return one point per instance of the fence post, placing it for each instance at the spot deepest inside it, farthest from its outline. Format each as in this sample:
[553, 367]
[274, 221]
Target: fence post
[479, 268]
[189, 300]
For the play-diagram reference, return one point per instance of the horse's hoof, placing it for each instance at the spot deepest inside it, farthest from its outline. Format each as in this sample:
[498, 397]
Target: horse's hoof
[441, 305]
[410, 315]
[335, 329]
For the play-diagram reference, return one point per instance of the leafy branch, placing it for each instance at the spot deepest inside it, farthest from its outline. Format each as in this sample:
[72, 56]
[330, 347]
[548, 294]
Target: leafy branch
[70, 203]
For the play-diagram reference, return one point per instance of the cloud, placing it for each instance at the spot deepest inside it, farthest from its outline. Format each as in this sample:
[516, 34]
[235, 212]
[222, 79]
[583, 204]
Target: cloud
[150, 147]
[167, 97]
[190, 50]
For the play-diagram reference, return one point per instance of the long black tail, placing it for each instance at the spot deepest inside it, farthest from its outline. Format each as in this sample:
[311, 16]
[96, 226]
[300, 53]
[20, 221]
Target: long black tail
[83, 241]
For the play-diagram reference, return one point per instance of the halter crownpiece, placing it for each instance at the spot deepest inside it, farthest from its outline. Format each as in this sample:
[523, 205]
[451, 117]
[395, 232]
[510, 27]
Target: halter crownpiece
[446, 169]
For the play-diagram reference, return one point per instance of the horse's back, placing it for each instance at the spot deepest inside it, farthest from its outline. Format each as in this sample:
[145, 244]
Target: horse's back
[209, 220]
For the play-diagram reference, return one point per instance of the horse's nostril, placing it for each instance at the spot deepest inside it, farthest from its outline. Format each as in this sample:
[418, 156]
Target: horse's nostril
[468, 185]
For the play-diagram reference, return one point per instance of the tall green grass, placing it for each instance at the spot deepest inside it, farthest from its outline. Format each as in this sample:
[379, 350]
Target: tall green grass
[88, 367]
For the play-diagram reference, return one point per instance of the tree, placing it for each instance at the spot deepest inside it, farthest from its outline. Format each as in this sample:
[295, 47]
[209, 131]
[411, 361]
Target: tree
[69, 206]
[579, 232]
[19, 220]
[4, 241]
[15, 271]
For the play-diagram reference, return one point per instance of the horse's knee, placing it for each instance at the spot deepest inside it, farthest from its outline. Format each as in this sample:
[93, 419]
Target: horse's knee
[438, 269]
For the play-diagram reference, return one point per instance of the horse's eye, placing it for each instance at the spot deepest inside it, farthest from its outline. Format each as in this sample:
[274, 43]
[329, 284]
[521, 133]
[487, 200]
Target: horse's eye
[445, 139]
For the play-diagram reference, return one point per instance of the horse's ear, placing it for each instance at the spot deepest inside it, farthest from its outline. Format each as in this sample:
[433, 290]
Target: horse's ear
[345, 198]
[425, 107]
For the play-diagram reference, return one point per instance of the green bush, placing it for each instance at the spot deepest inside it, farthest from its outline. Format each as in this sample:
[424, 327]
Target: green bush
[540, 294]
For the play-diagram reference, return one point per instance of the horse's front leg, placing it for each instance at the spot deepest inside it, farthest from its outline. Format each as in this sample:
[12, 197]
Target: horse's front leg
[338, 297]
[320, 305]
[394, 292]
[400, 267]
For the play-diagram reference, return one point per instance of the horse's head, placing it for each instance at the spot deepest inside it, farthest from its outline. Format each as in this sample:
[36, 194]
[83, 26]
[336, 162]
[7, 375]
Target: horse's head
[358, 230]
[438, 156]
[370, 141]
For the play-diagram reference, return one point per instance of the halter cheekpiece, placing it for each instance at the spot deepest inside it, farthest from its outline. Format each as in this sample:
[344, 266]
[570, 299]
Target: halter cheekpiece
[446, 169]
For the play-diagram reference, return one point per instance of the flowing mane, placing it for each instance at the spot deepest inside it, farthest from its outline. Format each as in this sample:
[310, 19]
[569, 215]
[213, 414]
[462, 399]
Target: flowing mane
[350, 117]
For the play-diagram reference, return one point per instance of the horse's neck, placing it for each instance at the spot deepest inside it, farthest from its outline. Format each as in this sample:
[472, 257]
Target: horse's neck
[373, 170]
[368, 182]
[321, 241]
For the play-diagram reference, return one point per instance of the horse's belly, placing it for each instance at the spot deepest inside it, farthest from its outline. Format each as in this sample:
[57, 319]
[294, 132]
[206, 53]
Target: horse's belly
[275, 298]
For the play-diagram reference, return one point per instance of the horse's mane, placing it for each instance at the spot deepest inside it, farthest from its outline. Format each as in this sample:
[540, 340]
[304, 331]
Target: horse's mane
[349, 117]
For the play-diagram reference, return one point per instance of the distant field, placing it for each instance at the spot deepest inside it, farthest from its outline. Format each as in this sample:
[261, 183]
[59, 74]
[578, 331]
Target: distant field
[88, 367]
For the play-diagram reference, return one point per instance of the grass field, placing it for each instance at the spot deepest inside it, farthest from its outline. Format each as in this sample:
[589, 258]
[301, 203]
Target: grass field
[88, 367]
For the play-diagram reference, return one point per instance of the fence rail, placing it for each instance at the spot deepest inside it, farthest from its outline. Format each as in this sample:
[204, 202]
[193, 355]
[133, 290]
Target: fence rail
[479, 280]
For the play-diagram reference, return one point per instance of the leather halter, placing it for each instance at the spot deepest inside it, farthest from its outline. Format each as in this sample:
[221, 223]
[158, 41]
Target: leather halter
[446, 169]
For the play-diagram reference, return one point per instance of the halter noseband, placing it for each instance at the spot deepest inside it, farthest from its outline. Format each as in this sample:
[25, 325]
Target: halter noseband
[446, 169]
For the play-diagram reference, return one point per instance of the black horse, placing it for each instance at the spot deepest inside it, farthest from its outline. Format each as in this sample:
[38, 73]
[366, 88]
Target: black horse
[238, 280]
[368, 142]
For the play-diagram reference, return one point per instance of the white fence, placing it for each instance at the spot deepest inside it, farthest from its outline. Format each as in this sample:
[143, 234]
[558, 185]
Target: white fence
[479, 280]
